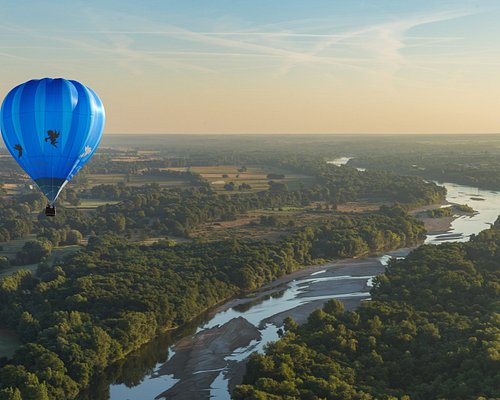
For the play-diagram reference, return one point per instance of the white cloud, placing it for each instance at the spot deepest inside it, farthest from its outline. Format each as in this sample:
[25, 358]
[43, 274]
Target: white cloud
[372, 48]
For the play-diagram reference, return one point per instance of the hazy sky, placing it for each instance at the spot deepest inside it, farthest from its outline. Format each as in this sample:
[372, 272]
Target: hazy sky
[266, 66]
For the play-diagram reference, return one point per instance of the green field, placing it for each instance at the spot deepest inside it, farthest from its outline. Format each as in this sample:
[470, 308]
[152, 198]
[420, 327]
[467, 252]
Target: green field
[139, 180]
[10, 249]
[152, 240]
[13, 269]
[91, 203]
[255, 176]
[105, 179]
[133, 180]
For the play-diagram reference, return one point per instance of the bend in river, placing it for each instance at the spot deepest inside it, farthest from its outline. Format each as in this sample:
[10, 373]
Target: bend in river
[207, 363]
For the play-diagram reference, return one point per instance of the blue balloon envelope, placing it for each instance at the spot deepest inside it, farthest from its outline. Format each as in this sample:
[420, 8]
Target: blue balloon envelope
[52, 127]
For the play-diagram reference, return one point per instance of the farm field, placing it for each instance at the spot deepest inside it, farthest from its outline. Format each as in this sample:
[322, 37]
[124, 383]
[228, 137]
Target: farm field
[105, 179]
[286, 220]
[132, 180]
[255, 176]
[90, 204]
[12, 247]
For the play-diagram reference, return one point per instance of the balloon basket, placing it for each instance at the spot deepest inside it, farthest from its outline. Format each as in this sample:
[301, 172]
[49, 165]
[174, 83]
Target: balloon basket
[50, 211]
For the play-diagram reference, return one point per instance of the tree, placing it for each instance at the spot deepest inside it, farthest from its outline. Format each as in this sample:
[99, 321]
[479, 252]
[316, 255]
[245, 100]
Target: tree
[73, 237]
[16, 376]
[4, 262]
[277, 186]
[10, 394]
[71, 196]
[28, 327]
[34, 251]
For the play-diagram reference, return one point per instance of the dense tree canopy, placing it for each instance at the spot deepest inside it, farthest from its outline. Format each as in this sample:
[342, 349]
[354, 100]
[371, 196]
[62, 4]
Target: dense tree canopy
[431, 331]
[478, 169]
[101, 303]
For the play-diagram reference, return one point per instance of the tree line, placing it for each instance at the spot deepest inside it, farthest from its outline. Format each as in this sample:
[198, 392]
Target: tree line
[155, 211]
[151, 211]
[479, 169]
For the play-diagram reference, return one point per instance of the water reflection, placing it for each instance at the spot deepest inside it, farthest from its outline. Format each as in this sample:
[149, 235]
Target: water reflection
[135, 377]
[242, 308]
[339, 161]
[463, 227]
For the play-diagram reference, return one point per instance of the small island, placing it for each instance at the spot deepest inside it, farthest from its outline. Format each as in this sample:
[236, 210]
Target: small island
[437, 218]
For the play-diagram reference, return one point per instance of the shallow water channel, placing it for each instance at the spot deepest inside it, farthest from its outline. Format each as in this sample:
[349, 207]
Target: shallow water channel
[148, 373]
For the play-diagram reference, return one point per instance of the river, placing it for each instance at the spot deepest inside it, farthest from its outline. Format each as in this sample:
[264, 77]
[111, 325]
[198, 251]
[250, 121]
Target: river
[195, 364]
[485, 202]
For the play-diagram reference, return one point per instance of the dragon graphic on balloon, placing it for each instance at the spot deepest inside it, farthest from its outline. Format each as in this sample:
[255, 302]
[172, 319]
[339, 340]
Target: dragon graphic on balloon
[52, 127]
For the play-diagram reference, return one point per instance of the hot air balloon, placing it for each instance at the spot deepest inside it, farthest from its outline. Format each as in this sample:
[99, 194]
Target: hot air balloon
[52, 127]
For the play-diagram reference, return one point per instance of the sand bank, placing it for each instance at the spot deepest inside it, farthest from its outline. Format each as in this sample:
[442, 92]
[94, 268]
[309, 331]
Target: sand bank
[198, 359]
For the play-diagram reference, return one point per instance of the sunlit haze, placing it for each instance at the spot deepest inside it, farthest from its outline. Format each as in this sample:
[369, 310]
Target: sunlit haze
[261, 66]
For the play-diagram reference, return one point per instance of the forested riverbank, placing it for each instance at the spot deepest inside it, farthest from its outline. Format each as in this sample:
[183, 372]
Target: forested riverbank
[109, 299]
[430, 331]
